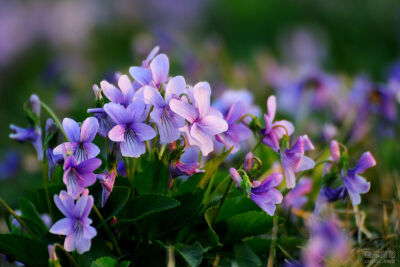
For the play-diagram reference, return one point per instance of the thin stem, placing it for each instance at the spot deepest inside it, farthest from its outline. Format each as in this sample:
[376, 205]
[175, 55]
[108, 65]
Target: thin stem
[71, 259]
[109, 233]
[245, 116]
[46, 185]
[222, 201]
[55, 118]
[10, 210]
[271, 256]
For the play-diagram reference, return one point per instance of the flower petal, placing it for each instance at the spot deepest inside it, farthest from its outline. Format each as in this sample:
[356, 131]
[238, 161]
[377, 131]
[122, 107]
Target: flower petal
[69, 243]
[89, 129]
[153, 96]
[111, 92]
[117, 113]
[306, 163]
[366, 161]
[117, 133]
[143, 131]
[166, 126]
[91, 150]
[175, 86]
[132, 147]
[201, 94]
[213, 125]
[236, 111]
[159, 68]
[126, 87]
[136, 111]
[141, 75]
[72, 129]
[184, 110]
[83, 245]
[62, 227]
[335, 150]
[83, 206]
[205, 141]
[271, 106]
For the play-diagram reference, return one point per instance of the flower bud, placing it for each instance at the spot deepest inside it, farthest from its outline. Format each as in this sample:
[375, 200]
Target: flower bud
[335, 150]
[97, 92]
[248, 161]
[51, 127]
[235, 176]
[35, 104]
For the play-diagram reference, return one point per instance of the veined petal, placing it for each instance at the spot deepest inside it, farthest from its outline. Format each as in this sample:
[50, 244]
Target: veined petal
[166, 125]
[117, 113]
[153, 96]
[117, 133]
[184, 110]
[201, 94]
[205, 141]
[89, 129]
[141, 75]
[213, 125]
[136, 111]
[111, 92]
[71, 180]
[132, 147]
[91, 150]
[143, 131]
[62, 227]
[72, 129]
[64, 203]
[159, 68]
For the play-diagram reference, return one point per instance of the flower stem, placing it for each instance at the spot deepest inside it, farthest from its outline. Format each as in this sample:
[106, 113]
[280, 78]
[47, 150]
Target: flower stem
[271, 256]
[70, 258]
[10, 210]
[55, 118]
[109, 233]
[46, 185]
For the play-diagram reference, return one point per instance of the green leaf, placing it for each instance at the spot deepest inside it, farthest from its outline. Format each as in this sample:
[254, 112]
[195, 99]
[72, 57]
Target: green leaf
[192, 254]
[104, 262]
[125, 264]
[145, 205]
[245, 257]
[117, 201]
[31, 217]
[212, 166]
[152, 176]
[24, 249]
[236, 205]
[208, 216]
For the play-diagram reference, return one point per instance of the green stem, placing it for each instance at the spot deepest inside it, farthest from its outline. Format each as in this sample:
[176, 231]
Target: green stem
[54, 117]
[10, 210]
[70, 258]
[271, 256]
[46, 185]
[222, 201]
[109, 233]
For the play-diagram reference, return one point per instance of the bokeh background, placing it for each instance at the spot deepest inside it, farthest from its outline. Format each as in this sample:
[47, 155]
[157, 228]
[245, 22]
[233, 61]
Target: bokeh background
[59, 49]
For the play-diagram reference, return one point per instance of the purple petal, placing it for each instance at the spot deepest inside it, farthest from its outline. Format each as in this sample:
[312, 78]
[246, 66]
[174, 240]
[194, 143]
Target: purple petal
[71, 129]
[132, 147]
[136, 111]
[366, 161]
[83, 206]
[117, 113]
[306, 163]
[117, 133]
[89, 232]
[213, 125]
[89, 165]
[271, 107]
[82, 245]
[69, 243]
[141, 75]
[143, 131]
[236, 111]
[62, 227]
[167, 128]
[127, 89]
[159, 68]
[286, 125]
[150, 56]
[335, 150]
[184, 110]
[64, 203]
[269, 182]
[201, 94]
[153, 96]
[239, 132]
[176, 86]
[290, 177]
[111, 92]
[73, 183]
[204, 140]
[89, 130]
[91, 150]
[307, 143]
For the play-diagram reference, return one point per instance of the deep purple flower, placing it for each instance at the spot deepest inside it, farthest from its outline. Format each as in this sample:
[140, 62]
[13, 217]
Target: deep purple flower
[105, 122]
[204, 121]
[293, 160]
[155, 75]
[296, 197]
[76, 226]
[80, 139]
[130, 131]
[236, 133]
[168, 122]
[333, 194]
[78, 176]
[188, 164]
[274, 131]
[123, 95]
[32, 135]
[107, 180]
[53, 160]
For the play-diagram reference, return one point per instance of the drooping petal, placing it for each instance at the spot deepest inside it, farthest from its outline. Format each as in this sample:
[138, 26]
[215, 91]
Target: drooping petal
[366, 161]
[175, 86]
[213, 125]
[159, 68]
[269, 182]
[143, 131]
[117, 113]
[72, 129]
[132, 147]
[117, 133]
[271, 106]
[89, 129]
[153, 96]
[184, 110]
[191, 155]
[307, 143]
[239, 132]
[141, 75]
[62, 227]
[205, 141]
[111, 92]
[69, 243]
[71, 180]
[201, 94]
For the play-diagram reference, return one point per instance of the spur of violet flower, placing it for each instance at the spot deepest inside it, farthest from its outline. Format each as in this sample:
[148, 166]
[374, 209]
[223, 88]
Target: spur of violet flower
[80, 139]
[188, 163]
[293, 160]
[274, 131]
[76, 224]
[130, 131]
[77, 176]
[155, 74]
[237, 132]
[168, 122]
[107, 180]
[263, 193]
[205, 122]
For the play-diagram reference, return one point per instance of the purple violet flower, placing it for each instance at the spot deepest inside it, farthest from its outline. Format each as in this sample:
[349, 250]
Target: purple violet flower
[123, 95]
[155, 75]
[130, 131]
[188, 164]
[236, 133]
[32, 135]
[80, 139]
[204, 121]
[107, 180]
[274, 131]
[76, 226]
[296, 198]
[53, 160]
[78, 176]
[105, 122]
[293, 160]
[168, 122]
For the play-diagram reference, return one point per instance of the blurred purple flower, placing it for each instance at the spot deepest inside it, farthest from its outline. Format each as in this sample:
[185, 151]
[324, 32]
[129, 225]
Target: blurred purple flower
[10, 165]
[296, 198]
[32, 135]
[76, 226]
[188, 163]
[78, 176]
[155, 75]
[168, 122]
[107, 180]
[274, 131]
[248, 161]
[80, 139]
[129, 131]
[204, 121]
[293, 160]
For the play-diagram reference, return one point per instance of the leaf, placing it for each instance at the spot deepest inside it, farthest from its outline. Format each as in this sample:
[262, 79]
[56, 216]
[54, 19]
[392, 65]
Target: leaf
[104, 262]
[192, 254]
[208, 216]
[236, 205]
[212, 166]
[245, 256]
[24, 249]
[125, 264]
[117, 201]
[152, 176]
[31, 217]
[145, 205]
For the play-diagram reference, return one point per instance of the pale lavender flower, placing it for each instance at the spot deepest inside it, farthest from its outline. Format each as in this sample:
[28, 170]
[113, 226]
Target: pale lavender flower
[293, 160]
[123, 95]
[80, 139]
[129, 131]
[105, 122]
[155, 74]
[236, 133]
[32, 135]
[274, 131]
[296, 198]
[205, 122]
[76, 224]
[188, 163]
[107, 180]
[78, 176]
[168, 122]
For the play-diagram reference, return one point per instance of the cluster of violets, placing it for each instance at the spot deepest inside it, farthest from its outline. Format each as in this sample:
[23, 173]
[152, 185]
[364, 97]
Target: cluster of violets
[150, 110]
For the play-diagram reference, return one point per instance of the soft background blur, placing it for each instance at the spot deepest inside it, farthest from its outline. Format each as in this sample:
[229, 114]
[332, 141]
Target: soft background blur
[59, 49]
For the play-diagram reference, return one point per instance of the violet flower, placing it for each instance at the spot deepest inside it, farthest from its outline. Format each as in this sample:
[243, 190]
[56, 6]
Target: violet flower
[168, 122]
[188, 164]
[155, 75]
[32, 134]
[105, 122]
[293, 160]
[76, 224]
[129, 131]
[236, 133]
[78, 176]
[107, 180]
[123, 95]
[80, 139]
[204, 121]
[296, 198]
[274, 131]
[53, 160]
